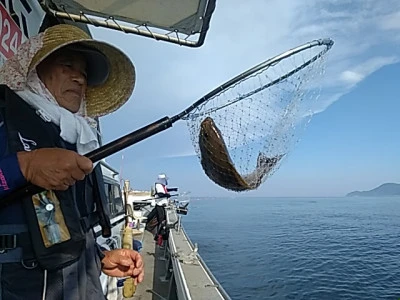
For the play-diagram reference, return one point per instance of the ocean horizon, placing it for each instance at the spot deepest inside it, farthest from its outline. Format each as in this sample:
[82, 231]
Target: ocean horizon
[299, 247]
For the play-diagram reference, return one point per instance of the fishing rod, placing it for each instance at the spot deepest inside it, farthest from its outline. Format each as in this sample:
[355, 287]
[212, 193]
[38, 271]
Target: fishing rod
[97, 155]
[167, 122]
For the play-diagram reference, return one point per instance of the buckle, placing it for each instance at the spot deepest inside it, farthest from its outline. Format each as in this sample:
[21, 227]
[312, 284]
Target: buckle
[7, 242]
[29, 264]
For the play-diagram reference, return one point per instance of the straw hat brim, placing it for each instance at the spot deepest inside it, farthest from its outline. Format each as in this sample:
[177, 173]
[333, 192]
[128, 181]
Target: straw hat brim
[115, 91]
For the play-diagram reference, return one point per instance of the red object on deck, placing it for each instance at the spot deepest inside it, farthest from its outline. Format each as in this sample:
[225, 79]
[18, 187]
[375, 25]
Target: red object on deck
[160, 240]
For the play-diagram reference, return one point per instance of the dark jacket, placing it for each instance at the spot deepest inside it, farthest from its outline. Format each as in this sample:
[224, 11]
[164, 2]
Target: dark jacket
[72, 263]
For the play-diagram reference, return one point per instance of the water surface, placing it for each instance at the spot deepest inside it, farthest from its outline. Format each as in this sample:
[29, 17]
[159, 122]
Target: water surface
[300, 248]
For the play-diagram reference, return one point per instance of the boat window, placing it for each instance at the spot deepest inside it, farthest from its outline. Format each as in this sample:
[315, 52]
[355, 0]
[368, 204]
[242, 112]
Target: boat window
[114, 199]
[107, 189]
[118, 203]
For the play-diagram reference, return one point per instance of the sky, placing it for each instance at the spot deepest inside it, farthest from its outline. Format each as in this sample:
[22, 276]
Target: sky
[353, 140]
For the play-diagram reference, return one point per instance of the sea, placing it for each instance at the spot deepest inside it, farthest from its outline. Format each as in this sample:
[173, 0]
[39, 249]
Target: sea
[300, 248]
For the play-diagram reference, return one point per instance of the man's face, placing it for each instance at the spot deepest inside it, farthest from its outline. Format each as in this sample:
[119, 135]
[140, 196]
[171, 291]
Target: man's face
[64, 75]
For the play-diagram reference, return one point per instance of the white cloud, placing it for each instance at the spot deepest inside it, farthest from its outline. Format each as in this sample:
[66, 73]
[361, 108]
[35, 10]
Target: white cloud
[351, 77]
[391, 21]
[181, 154]
[365, 40]
[361, 71]
[329, 99]
[242, 34]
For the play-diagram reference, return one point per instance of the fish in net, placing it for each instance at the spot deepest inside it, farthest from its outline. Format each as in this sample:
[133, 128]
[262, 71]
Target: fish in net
[243, 132]
[218, 165]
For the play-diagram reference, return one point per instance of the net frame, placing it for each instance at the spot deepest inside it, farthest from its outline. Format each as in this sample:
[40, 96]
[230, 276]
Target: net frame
[189, 113]
[240, 148]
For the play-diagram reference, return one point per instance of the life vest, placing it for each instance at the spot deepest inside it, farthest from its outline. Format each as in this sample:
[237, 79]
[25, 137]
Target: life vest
[57, 220]
[160, 188]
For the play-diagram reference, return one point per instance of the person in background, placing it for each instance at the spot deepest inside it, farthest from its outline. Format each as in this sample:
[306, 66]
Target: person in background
[51, 90]
[161, 189]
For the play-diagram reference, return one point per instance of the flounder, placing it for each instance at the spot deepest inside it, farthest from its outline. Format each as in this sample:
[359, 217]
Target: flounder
[218, 165]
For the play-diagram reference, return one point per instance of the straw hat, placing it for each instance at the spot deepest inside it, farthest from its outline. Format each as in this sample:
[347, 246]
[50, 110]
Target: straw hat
[114, 89]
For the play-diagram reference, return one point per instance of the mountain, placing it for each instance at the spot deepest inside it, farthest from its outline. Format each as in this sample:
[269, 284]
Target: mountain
[386, 189]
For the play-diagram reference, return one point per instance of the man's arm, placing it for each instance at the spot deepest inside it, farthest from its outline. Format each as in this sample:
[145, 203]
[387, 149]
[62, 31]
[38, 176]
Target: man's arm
[10, 173]
[49, 168]
[121, 262]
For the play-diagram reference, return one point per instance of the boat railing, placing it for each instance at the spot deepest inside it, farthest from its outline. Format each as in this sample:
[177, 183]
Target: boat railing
[192, 276]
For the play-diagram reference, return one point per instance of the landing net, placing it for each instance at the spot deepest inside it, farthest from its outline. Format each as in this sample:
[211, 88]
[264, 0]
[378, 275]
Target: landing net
[260, 115]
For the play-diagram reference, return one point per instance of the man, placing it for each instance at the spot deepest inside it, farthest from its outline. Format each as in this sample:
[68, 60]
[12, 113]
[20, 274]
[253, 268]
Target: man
[161, 186]
[51, 90]
[161, 189]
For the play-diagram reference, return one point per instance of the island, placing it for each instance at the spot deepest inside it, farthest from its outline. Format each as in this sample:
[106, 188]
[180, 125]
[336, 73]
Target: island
[384, 190]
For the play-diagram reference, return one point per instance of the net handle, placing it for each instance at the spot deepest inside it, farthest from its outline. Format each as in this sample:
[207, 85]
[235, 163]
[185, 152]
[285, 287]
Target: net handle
[166, 122]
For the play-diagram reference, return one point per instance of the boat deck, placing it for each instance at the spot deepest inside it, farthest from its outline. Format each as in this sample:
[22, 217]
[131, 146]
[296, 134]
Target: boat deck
[154, 270]
[175, 271]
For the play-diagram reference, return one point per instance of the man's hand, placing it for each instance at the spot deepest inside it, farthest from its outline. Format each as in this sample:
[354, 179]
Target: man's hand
[54, 168]
[123, 263]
